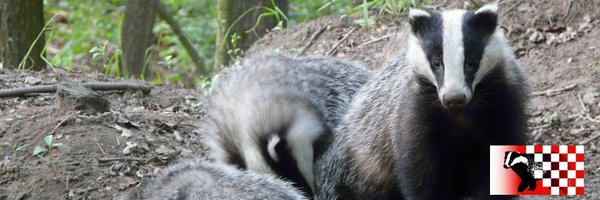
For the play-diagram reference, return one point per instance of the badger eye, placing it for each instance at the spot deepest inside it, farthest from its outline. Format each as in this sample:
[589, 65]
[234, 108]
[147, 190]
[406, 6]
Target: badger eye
[437, 64]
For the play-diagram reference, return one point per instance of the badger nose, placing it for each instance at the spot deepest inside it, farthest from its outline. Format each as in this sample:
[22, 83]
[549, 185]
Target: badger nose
[454, 100]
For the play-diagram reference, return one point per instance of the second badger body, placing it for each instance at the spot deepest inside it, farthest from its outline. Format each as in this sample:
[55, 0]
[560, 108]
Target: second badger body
[274, 114]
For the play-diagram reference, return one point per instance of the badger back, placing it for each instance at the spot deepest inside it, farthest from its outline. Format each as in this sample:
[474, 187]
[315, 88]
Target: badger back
[203, 180]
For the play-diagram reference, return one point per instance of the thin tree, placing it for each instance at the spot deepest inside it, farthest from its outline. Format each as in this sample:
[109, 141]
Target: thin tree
[241, 18]
[21, 34]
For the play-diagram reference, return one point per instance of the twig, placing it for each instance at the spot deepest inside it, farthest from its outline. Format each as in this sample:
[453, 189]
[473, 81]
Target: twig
[510, 9]
[581, 102]
[589, 139]
[375, 40]
[585, 110]
[568, 8]
[67, 181]
[164, 14]
[15, 92]
[102, 150]
[541, 126]
[552, 92]
[62, 122]
[312, 39]
[340, 42]
[110, 159]
[118, 142]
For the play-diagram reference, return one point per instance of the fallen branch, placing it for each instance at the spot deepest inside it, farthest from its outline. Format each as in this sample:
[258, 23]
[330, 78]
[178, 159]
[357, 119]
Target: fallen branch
[102, 150]
[552, 92]
[510, 9]
[585, 110]
[589, 139]
[340, 42]
[62, 122]
[16, 92]
[110, 159]
[312, 39]
[376, 40]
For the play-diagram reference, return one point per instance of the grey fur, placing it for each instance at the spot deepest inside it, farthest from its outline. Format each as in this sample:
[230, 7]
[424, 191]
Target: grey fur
[380, 150]
[269, 95]
[192, 180]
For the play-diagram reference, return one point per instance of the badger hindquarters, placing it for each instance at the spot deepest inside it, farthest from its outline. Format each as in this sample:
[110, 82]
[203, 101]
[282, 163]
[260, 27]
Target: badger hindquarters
[273, 113]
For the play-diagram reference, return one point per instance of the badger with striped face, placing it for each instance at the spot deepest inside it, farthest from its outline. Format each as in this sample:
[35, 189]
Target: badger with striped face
[421, 128]
[473, 95]
[455, 50]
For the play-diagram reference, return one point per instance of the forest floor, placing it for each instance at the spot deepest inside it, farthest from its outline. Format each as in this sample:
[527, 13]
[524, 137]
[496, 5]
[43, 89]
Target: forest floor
[556, 42]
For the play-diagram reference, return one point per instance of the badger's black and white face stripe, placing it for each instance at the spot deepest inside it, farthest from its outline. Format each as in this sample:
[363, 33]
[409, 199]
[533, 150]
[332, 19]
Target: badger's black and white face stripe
[455, 49]
[512, 158]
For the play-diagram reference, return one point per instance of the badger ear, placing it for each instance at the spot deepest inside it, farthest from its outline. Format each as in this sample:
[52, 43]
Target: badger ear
[417, 19]
[485, 18]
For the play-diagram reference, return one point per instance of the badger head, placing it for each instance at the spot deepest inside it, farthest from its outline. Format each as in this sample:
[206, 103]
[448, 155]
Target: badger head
[454, 50]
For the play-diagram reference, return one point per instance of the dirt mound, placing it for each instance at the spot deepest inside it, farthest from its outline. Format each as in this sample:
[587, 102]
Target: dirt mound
[111, 153]
[159, 128]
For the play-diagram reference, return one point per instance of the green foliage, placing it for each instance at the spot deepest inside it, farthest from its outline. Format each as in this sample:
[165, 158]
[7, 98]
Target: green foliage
[110, 61]
[14, 147]
[42, 152]
[86, 33]
[305, 10]
[49, 145]
[82, 25]
[21, 65]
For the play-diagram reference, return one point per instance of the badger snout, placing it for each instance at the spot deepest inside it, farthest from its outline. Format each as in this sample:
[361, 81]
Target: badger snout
[454, 100]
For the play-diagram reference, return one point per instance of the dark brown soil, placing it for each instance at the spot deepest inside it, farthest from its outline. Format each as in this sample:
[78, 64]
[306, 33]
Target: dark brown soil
[556, 43]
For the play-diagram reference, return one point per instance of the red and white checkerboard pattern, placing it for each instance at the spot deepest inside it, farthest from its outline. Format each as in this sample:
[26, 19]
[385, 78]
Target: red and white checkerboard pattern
[562, 168]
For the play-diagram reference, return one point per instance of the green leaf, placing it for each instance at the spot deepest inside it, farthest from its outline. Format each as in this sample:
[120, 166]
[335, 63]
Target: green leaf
[48, 140]
[22, 147]
[39, 150]
[60, 146]
[95, 50]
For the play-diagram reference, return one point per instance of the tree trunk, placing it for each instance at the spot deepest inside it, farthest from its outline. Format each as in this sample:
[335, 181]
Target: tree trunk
[230, 11]
[21, 21]
[136, 37]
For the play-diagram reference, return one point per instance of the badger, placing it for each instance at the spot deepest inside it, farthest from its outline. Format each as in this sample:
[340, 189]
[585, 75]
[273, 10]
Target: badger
[525, 167]
[453, 90]
[204, 180]
[274, 114]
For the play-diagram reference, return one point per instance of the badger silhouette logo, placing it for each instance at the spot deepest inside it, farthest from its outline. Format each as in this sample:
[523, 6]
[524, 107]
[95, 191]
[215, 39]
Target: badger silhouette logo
[537, 170]
[524, 166]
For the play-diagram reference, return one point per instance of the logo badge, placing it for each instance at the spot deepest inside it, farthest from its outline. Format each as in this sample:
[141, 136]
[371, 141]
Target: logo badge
[536, 170]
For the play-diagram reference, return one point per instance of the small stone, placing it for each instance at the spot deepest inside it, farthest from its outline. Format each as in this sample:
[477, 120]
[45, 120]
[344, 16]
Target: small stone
[178, 137]
[129, 148]
[537, 37]
[126, 133]
[590, 98]
[32, 80]
[163, 150]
